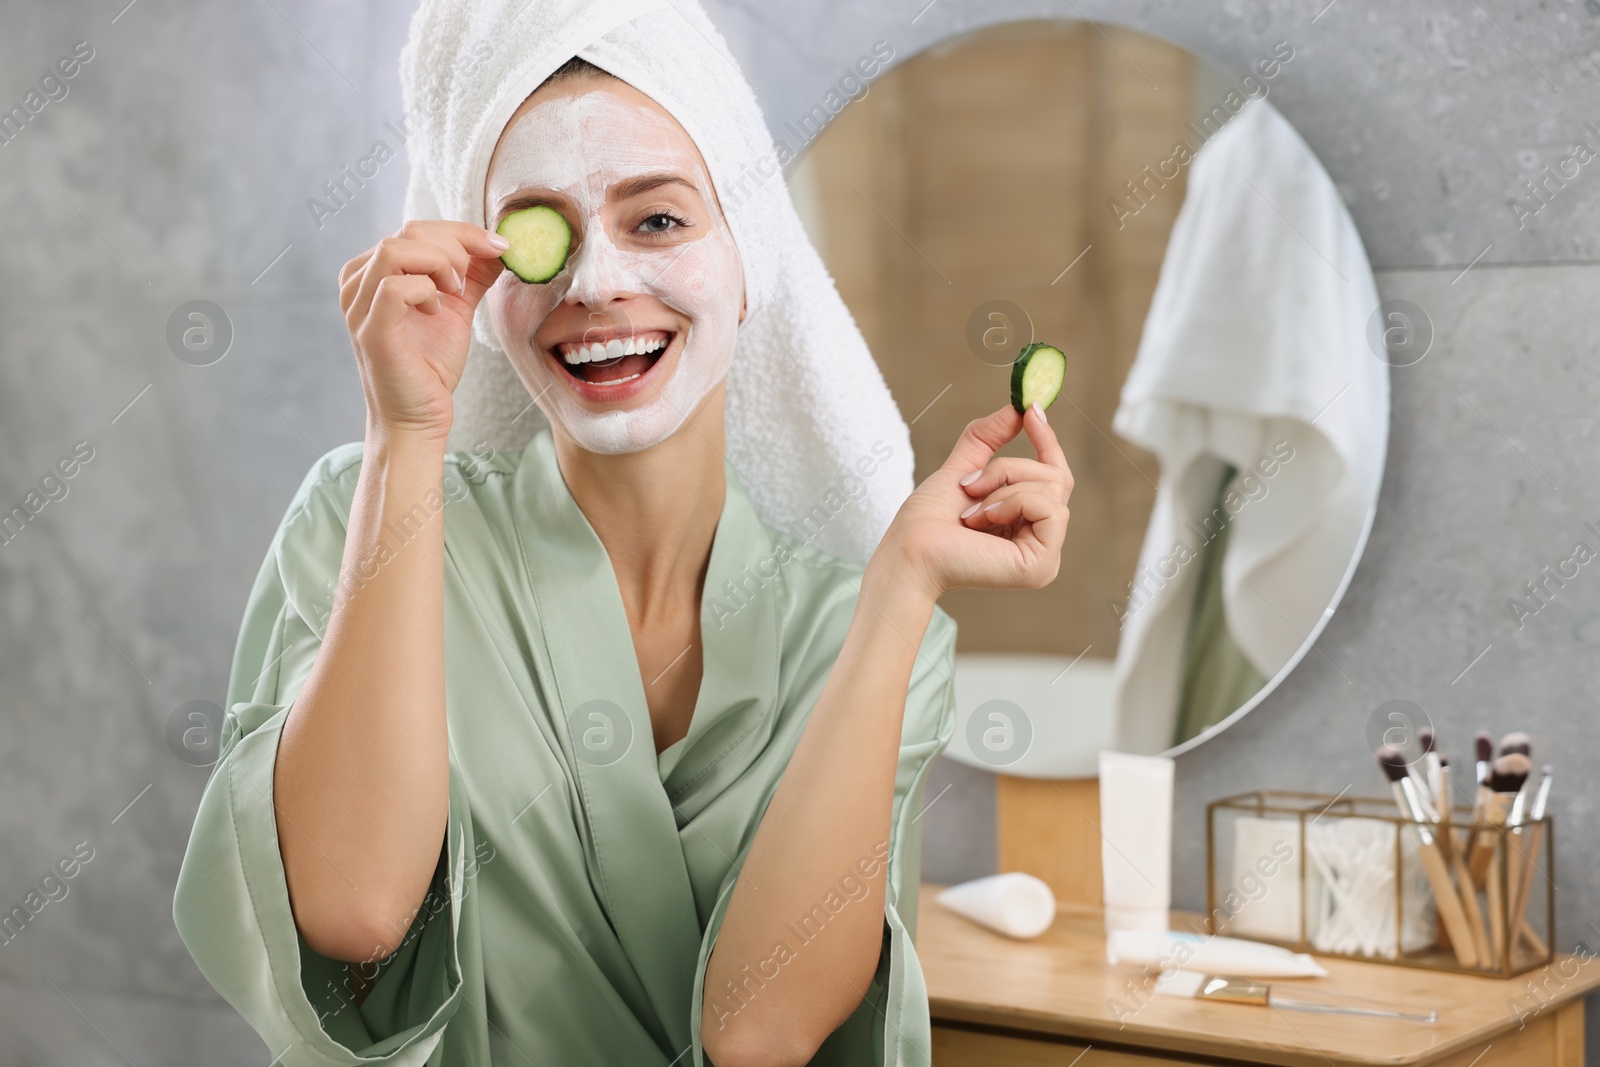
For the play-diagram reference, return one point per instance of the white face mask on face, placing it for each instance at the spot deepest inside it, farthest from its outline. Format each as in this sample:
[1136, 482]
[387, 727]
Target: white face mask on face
[581, 146]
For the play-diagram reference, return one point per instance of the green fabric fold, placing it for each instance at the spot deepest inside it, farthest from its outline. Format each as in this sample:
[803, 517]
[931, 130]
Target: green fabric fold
[580, 892]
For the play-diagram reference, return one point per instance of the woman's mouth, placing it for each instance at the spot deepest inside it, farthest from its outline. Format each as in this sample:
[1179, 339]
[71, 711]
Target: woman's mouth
[613, 361]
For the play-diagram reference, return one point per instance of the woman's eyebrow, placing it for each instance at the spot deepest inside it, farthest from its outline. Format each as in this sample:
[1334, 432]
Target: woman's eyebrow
[531, 198]
[643, 183]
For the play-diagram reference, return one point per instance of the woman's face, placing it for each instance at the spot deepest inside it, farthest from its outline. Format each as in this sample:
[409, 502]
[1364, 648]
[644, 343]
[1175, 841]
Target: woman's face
[621, 346]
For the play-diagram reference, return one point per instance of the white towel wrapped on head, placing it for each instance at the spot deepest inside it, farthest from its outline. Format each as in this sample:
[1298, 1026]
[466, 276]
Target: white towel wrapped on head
[806, 404]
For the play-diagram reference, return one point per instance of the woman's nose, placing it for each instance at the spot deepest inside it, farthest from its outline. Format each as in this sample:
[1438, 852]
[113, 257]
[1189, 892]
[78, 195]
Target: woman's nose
[599, 273]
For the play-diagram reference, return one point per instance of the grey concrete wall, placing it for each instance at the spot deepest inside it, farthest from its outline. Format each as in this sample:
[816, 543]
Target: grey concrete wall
[178, 167]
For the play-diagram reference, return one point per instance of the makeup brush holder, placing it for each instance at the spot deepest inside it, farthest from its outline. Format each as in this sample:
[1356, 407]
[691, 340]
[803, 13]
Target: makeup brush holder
[1350, 877]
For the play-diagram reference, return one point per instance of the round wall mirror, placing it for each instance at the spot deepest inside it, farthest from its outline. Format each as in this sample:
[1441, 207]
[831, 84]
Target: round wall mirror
[1226, 402]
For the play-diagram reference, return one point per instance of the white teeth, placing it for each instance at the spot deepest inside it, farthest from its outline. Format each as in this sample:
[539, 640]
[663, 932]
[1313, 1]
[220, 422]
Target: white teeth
[613, 349]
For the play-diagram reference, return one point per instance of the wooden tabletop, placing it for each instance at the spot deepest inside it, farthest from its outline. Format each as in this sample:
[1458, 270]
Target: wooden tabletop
[1060, 984]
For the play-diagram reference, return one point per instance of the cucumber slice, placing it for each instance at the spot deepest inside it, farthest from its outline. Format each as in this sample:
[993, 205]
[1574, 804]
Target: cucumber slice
[1037, 374]
[540, 240]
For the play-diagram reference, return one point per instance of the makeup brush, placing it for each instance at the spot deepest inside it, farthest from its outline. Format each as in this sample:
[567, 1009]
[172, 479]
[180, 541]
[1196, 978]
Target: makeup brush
[1483, 743]
[1519, 743]
[1427, 778]
[1510, 772]
[1541, 797]
[1301, 998]
[1429, 763]
[1516, 743]
[1522, 886]
[1506, 780]
[1524, 799]
[1455, 844]
[1456, 857]
[1393, 762]
[1535, 813]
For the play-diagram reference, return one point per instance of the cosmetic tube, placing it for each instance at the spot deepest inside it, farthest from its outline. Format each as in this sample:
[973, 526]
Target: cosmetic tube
[1170, 950]
[1014, 904]
[1136, 840]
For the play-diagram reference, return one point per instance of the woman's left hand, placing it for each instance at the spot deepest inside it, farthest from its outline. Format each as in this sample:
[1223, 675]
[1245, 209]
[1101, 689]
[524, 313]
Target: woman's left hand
[983, 521]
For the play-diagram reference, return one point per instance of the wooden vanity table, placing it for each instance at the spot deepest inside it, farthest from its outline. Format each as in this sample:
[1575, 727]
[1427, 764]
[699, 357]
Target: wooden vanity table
[999, 1003]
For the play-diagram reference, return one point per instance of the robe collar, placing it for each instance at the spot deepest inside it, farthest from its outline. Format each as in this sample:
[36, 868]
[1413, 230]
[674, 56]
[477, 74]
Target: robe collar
[635, 806]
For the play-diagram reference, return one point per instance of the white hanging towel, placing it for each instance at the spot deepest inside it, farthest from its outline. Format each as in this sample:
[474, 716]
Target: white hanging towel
[1255, 355]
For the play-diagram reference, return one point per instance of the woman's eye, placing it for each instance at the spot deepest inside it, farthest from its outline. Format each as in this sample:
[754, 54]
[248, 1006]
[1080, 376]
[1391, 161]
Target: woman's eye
[660, 222]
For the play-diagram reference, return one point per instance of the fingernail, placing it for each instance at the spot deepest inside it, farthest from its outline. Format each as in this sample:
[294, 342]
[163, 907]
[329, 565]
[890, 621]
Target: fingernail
[1040, 411]
[991, 507]
[498, 243]
[973, 510]
[461, 285]
[974, 476]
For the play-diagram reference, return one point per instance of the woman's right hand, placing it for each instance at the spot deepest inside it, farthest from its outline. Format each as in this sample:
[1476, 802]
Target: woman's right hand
[408, 302]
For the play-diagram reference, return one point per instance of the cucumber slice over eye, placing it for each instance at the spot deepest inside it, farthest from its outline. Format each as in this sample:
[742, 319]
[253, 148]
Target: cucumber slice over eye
[540, 240]
[1037, 375]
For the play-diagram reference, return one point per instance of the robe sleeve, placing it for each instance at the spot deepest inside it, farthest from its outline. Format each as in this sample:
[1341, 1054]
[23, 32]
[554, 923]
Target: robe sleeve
[232, 903]
[890, 1028]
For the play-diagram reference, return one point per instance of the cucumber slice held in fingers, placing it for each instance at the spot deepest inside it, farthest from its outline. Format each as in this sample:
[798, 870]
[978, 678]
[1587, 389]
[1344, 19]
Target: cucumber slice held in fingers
[1036, 375]
[540, 240]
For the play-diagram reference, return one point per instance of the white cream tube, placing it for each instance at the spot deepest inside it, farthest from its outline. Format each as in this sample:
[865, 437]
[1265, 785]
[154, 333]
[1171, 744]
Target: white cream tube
[1015, 903]
[1171, 950]
[1136, 840]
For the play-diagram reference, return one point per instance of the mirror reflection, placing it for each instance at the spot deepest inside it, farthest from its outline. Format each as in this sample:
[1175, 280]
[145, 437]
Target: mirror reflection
[1155, 217]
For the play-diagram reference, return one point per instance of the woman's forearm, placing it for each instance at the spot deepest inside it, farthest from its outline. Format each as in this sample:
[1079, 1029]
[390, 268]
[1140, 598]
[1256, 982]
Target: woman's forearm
[827, 823]
[979, 521]
[362, 777]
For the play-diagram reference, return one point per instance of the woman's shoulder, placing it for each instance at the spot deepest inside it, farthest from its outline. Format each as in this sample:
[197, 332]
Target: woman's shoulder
[821, 582]
[332, 478]
[813, 579]
[827, 567]
[312, 531]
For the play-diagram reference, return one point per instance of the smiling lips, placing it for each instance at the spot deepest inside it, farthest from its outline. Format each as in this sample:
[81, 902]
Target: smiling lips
[612, 357]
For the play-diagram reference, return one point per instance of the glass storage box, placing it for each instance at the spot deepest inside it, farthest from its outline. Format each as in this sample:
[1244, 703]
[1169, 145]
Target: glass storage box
[1349, 876]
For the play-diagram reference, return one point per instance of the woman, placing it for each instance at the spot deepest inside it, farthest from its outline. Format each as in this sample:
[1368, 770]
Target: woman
[603, 769]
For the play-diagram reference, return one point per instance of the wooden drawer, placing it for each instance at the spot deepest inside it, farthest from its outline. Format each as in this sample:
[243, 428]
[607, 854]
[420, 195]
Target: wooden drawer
[1554, 1039]
[973, 1048]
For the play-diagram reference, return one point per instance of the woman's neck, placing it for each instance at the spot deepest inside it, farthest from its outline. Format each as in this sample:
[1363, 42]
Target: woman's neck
[655, 511]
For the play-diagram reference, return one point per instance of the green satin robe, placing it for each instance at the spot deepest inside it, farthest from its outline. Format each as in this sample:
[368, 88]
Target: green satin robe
[584, 878]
